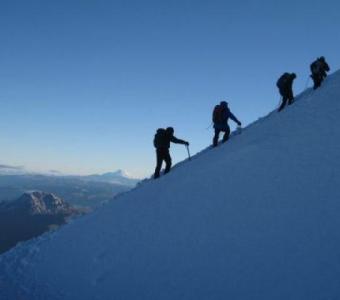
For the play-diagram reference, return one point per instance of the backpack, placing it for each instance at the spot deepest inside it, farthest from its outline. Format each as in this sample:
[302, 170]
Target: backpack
[159, 139]
[315, 67]
[217, 116]
[281, 82]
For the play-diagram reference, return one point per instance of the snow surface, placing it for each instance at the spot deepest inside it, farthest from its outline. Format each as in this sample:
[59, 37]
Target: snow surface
[255, 218]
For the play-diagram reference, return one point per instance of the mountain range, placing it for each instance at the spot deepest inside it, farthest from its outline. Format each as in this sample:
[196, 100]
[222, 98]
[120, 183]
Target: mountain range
[85, 191]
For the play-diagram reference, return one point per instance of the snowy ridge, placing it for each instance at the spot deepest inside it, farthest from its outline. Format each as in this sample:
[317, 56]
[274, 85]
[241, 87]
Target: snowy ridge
[256, 218]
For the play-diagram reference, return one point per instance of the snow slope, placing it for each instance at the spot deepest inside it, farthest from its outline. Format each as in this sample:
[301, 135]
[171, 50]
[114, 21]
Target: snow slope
[256, 218]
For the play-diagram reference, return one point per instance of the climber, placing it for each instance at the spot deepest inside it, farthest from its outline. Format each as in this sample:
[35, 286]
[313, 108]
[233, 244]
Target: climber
[221, 114]
[162, 140]
[319, 69]
[285, 85]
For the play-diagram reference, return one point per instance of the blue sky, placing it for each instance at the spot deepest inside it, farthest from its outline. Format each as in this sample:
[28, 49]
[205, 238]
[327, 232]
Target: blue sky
[85, 84]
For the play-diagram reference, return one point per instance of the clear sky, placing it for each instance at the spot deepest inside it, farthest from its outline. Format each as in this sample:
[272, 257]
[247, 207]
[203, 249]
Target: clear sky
[85, 84]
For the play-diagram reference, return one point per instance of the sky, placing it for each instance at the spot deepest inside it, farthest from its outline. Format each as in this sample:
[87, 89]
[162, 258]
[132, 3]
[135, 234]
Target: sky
[84, 85]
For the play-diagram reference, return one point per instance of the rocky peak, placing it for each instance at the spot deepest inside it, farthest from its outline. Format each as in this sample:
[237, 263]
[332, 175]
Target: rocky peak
[37, 202]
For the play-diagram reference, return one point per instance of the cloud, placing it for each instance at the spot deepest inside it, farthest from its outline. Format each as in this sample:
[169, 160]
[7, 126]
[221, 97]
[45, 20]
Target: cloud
[54, 172]
[11, 167]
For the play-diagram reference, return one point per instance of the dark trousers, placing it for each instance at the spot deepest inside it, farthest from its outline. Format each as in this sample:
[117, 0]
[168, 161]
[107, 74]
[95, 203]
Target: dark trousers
[225, 136]
[162, 154]
[317, 78]
[287, 96]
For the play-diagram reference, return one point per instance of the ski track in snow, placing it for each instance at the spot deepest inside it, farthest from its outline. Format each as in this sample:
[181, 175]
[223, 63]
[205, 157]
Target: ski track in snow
[255, 218]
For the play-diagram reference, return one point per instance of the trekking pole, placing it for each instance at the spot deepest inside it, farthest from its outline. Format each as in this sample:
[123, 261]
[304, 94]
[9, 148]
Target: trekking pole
[307, 81]
[188, 152]
[238, 130]
[280, 101]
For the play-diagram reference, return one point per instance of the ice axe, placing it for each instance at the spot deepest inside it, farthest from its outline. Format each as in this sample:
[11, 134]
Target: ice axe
[189, 156]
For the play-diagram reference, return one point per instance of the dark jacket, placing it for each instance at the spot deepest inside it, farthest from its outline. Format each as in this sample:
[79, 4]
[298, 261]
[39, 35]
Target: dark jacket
[163, 139]
[226, 114]
[319, 67]
[286, 87]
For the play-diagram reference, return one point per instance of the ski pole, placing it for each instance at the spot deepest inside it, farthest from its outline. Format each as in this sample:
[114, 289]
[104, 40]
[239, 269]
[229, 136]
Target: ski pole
[209, 126]
[188, 152]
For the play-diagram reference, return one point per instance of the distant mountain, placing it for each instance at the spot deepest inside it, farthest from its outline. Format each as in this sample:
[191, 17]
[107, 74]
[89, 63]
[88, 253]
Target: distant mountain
[89, 191]
[31, 215]
[117, 177]
[38, 203]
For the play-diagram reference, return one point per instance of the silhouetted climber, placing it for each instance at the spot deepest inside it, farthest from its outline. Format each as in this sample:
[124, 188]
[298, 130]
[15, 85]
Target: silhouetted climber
[162, 140]
[319, 69]
[221, 114]
[285, 85]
